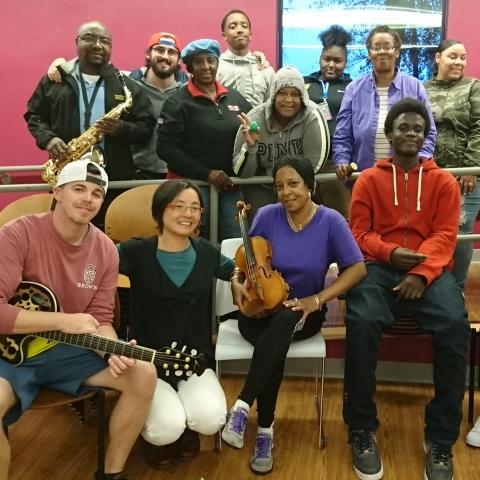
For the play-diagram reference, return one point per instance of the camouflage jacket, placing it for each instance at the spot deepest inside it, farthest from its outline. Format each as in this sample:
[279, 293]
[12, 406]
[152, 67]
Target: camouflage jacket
[456, 110]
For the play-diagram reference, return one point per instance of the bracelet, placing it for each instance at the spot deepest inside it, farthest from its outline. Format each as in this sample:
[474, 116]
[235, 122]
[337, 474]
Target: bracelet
[235, 274]
[317, 301]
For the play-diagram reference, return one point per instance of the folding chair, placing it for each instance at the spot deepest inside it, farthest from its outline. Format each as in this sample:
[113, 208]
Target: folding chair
[232, 346]
[130, 214]
[30, 204]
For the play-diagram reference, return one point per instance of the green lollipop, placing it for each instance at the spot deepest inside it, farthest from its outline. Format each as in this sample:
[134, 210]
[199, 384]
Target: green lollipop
[253, 127]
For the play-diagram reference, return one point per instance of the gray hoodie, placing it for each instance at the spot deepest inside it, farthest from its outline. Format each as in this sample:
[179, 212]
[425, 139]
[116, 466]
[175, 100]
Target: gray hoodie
[306, 135]
[242, 74]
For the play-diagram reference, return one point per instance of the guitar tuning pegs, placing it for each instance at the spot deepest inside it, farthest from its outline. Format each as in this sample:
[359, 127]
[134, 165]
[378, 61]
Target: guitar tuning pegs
[175, 366]
[189, 373]
[184, 348]
[167, 373]
[178, 373]
[174, 344]
[194, 352]
[168, 351]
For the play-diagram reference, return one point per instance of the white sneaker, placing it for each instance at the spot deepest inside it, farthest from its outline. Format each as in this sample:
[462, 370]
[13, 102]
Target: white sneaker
[235, 427]
[473, 437]
[262, 459]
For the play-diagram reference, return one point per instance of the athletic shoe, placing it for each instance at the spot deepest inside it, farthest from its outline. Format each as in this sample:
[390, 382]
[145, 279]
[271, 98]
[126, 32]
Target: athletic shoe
[365, 457]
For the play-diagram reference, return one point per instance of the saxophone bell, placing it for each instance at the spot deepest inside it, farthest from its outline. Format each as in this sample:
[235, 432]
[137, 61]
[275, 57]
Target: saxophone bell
[95, 155]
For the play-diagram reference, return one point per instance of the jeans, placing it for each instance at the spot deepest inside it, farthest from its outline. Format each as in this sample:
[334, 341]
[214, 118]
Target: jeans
[271, 337]
[228, 226]
[464, 251]
[371, 307]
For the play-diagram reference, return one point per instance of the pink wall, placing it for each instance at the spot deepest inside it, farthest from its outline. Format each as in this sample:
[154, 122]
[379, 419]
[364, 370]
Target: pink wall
[462, 24]
[35, 32]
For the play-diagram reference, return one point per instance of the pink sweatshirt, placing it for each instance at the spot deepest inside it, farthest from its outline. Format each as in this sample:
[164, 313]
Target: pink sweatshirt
[83, 277]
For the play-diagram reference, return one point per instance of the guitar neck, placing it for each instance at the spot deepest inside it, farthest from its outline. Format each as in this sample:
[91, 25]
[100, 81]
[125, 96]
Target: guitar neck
[35, 296]
[104, 344]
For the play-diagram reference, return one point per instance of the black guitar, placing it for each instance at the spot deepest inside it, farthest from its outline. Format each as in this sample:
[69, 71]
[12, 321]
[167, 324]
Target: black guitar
[16, 349]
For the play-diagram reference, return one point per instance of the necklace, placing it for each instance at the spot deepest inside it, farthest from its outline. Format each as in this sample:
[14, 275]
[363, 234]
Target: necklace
[297, 227]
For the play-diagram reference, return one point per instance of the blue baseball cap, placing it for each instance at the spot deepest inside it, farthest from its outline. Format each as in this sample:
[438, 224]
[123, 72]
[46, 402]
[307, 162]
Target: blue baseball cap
[204, 45]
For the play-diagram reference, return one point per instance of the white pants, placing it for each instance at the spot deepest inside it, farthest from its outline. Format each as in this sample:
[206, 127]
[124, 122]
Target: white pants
[199, 404]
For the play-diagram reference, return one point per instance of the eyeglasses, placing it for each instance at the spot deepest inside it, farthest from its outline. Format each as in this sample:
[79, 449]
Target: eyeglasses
[182, 208]
[93, 39]
[387, 49]
[161, 49]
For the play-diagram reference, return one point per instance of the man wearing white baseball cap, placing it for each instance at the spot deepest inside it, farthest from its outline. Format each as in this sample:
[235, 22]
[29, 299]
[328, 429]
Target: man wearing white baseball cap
[83, 170]
[64, 252]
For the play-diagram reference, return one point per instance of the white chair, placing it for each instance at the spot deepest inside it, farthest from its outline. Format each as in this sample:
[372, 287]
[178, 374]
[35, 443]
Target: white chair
[232, 346]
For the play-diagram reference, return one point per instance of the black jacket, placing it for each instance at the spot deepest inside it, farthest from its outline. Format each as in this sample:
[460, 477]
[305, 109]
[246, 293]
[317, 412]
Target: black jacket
[53, 112]
[336, 91]
[160, 311]
[196, 135]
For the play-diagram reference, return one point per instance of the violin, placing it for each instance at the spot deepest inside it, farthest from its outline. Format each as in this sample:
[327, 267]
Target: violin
[266, 287]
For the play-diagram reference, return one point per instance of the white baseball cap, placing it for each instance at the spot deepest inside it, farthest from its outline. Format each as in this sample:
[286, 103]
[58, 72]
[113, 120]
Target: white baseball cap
[77, 171]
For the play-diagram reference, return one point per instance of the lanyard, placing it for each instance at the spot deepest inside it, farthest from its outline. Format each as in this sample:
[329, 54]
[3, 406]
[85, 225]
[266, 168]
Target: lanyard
[325, 87]
[88, 103]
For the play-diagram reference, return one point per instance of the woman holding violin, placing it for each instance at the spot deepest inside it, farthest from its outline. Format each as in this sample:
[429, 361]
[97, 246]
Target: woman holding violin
[305, 239]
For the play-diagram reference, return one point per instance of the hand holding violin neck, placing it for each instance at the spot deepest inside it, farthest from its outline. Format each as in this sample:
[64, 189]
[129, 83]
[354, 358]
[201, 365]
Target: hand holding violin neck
[266, 287]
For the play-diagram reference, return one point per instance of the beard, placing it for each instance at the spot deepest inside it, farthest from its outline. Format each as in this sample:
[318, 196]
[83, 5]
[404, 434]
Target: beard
[161, 72]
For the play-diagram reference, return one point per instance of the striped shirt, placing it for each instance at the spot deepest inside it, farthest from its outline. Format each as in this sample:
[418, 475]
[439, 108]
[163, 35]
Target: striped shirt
[382, 145]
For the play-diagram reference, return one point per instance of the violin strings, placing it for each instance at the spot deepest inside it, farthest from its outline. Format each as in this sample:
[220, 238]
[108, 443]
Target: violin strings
[248, 252]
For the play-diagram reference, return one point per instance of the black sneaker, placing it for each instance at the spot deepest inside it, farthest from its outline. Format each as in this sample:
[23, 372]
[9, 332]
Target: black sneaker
[439, 461]
[366, 460]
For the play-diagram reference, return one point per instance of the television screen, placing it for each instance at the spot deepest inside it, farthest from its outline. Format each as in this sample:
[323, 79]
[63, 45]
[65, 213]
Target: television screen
[420, 24]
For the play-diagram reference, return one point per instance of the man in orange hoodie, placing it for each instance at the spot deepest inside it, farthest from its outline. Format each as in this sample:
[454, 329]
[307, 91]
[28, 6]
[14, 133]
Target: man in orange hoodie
[404, 215]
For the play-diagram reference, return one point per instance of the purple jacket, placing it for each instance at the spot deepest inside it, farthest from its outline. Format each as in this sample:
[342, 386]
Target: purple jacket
[354, 138]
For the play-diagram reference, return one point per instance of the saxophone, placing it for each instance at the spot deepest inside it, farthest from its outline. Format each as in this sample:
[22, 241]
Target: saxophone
[86, 142]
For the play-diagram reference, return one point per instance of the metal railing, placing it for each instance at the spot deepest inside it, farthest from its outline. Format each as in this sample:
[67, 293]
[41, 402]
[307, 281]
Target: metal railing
[320, 178]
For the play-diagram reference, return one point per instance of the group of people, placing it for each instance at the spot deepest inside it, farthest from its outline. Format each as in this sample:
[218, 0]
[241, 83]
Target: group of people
[395, 258]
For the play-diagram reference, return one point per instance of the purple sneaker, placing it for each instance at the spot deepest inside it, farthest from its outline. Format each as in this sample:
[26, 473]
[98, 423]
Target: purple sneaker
[235, 427]
[262, 460]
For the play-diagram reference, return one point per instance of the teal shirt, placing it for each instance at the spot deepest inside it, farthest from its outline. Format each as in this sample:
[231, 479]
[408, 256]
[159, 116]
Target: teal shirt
[179, 265]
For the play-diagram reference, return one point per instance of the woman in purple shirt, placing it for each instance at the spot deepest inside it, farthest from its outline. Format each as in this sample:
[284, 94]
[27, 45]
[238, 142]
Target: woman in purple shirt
[359, 135]
[295, 224]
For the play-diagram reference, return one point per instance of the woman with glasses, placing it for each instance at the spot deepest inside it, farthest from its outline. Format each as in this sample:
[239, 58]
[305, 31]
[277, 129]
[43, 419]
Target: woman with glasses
[359, 136]
[170, 301]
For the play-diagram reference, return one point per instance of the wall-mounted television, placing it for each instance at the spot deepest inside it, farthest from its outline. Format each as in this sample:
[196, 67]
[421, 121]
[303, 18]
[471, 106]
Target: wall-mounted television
[420, 23]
